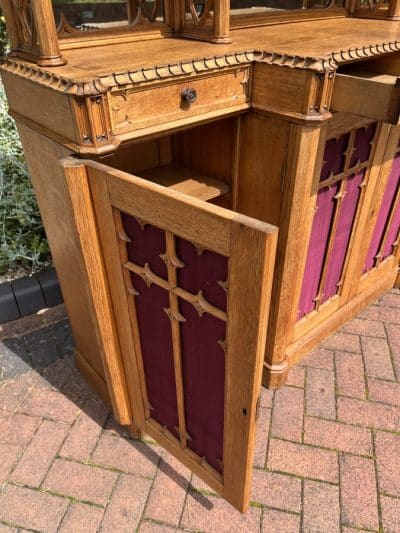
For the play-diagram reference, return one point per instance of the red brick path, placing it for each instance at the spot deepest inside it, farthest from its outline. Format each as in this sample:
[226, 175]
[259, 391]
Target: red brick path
[327, 457]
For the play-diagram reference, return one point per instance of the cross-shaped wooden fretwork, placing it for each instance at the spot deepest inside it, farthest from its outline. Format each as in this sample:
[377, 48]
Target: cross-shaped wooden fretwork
[352, 166]
[170, 284]
[381, 255]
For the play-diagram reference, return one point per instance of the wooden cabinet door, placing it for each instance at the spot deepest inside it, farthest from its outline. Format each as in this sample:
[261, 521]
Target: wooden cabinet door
[190, 285]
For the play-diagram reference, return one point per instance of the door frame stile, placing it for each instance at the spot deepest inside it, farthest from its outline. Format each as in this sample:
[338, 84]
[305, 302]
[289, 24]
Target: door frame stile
[85, 219]
[249, 290]
[105, 221]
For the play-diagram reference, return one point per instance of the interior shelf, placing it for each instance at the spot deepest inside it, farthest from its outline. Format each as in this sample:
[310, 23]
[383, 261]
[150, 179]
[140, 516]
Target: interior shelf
[187, 181]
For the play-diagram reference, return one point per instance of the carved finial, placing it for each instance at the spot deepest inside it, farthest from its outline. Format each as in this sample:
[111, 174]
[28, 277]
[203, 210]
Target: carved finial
[141, 222]
[223, 344]
[122, 236]
[224, 285]
[133, 291]
[172, 259]
[174, 315]
[200, 249]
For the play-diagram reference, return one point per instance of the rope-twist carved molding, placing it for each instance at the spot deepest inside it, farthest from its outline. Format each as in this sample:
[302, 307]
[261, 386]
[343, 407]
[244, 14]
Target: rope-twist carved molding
[195, 66]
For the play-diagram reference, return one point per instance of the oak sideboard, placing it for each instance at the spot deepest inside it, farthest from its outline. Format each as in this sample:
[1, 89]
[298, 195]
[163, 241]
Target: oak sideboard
[220, 187]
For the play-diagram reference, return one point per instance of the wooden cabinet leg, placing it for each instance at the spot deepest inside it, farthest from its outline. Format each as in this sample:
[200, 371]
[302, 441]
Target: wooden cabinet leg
[275, 376]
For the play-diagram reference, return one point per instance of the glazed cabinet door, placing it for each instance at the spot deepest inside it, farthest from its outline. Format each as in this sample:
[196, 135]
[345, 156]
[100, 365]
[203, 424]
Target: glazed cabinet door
[190, 285]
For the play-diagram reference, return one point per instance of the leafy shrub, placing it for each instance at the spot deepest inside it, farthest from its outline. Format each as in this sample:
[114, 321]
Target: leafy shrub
[3, 35]
[23, 242]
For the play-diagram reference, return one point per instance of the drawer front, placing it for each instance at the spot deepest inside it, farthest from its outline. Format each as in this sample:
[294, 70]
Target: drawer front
[367, 94]
[137, 109]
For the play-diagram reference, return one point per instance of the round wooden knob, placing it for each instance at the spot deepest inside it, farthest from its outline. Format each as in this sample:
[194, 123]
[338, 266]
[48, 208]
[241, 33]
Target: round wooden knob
[189, 96]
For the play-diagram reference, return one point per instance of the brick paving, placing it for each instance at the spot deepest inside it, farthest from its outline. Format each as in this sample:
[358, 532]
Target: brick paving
[327, 455]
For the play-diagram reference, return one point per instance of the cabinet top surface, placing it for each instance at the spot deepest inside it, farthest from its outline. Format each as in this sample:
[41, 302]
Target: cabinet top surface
[319, 45]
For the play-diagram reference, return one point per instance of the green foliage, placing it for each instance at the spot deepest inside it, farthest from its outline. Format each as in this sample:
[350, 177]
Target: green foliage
[23, 242]
[22, 239]
[3, 35]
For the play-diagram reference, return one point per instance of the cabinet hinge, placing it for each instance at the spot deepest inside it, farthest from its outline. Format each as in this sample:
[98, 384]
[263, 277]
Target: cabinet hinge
[283, 177]
[258, 405]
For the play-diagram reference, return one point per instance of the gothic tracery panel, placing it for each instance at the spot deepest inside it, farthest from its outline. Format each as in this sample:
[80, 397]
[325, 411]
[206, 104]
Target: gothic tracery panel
[179, 295]
[340, 196]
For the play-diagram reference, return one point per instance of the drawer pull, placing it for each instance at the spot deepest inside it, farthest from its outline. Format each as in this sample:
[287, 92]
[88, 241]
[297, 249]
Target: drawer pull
[189, 96]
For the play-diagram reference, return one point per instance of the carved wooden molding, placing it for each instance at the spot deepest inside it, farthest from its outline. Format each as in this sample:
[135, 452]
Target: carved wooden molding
[195, 66]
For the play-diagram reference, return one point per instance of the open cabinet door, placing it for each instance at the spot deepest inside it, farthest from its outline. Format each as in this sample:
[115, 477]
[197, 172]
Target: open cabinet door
[190, 285]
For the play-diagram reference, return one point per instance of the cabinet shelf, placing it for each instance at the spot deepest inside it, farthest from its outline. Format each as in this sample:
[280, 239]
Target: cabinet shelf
[187, 181]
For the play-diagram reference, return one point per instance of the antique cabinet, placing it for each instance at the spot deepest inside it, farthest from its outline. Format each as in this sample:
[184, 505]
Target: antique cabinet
[220, 186]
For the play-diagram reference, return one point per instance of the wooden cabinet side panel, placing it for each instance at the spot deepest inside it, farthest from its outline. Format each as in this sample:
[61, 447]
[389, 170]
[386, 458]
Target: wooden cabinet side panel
[274, 89]
[44, 108]
[207, 148]
[263, 152]
[49, 184]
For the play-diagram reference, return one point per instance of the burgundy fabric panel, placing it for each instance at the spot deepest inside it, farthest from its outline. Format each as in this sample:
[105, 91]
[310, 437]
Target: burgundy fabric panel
[146, 246]
[342, 235]
[202, 272]
[394, 227]
[383, 215]
[362, 144]
[334, 156]
[157, 352]
[203, 366]
[317, 248]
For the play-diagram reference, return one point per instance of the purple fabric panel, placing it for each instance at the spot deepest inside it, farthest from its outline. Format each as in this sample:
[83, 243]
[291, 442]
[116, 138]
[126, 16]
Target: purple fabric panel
[202, 272]
[362, 146]
[383, 214]
[342, 236]
[394, 227]
[317, 249]
[203, 366]
[157, 352]
[146, 246]
[334, 157]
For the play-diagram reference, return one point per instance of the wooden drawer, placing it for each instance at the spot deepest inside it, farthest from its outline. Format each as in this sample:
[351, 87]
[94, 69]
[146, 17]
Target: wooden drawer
[368, 94]
[156, 107]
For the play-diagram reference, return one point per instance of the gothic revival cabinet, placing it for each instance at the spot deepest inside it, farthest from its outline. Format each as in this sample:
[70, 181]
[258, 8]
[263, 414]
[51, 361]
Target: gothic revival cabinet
[220, 186]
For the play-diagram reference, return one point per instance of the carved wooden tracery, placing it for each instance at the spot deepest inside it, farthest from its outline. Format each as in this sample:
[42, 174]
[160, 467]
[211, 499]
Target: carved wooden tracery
[341, 190]
[376, 8]
[32, 30]
[385, 239]
[139, 13]
[157, 278]
[27, 31]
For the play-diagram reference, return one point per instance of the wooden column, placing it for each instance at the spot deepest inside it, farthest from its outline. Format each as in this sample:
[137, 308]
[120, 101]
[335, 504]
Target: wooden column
[47, 34]
[222, 21]
[306, 146]
[394, 9]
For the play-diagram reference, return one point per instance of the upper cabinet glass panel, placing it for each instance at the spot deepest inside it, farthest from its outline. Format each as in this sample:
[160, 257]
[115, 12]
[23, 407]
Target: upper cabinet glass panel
[244, 7]
[105, 15]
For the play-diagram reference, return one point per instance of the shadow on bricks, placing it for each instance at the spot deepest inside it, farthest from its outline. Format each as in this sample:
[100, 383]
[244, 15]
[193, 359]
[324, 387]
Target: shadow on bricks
[48, 352]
